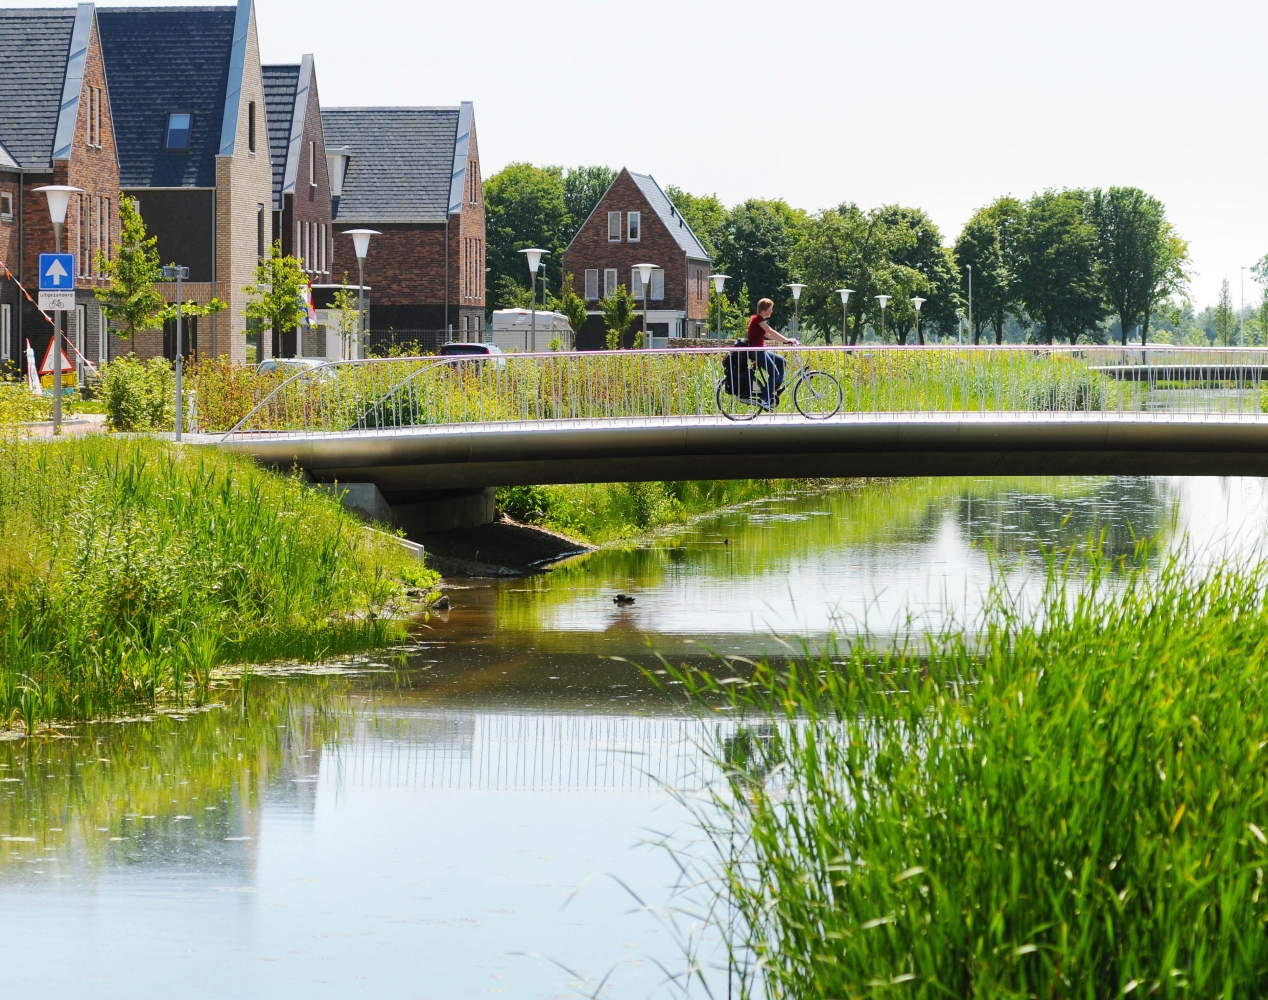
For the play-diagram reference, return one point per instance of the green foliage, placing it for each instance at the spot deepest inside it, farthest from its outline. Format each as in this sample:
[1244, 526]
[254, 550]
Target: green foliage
[1058, 276]
[273, 301]
[509, 294]
[139, 395]
[347, 303]
[524, 207]
[583, 187]
[227, 392]
[918, 265]
[618, 315]
[1064, 802]
[1225, 318]
[706, 215]
[17, 405]
[572, 305]
[989, 244]
[167, 562]
[755, 246]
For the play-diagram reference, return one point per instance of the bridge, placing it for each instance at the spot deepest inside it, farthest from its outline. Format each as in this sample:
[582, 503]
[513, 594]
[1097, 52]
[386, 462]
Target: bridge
[426, 429]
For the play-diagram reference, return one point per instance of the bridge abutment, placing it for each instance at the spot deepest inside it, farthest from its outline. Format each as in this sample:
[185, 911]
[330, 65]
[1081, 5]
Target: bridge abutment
[418, 513]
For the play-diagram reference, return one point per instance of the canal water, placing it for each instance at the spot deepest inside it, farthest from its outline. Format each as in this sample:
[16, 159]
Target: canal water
[493, 810]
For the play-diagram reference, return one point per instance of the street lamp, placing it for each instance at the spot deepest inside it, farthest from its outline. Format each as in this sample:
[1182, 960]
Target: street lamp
[845, 294]
[534, 257]
[177, 274]
[796, 290]
[645, 276]
[918, 302]
[1241, 336]
[718, 281]
[969, 268]
[361, 243]
[883, 300]
[58, 198]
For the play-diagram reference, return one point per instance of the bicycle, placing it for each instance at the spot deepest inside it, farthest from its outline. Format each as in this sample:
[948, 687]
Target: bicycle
[816, 394]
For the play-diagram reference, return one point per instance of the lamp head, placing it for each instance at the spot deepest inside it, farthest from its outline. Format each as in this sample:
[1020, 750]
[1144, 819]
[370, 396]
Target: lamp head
[883, 300]
[361, 240]
[845, 294]
[918, 302]
[645, 272]
[58, 198]
[796, 287]
[718, 281]
[534, 257]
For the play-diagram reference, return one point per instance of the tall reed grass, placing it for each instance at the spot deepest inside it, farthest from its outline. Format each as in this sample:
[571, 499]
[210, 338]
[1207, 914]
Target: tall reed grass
[130, 568]
[1072, 802]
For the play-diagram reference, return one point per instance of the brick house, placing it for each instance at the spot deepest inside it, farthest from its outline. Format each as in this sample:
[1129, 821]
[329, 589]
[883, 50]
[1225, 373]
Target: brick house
[301, 182]
[635, 223]
[187, 96]
[414, 175]
[55, 128]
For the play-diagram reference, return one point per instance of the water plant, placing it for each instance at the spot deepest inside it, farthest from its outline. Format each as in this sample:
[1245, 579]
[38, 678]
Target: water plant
[130, 568]
[1070, 801]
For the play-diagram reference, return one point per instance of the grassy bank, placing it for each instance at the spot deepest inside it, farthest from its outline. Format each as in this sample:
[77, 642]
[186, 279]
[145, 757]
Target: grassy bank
[605, 512]
[129, 569]
[1073, 804]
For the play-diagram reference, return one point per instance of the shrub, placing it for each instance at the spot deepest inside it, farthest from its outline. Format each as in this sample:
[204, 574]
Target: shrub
[17, 405]
[139, 395]
[227, 392]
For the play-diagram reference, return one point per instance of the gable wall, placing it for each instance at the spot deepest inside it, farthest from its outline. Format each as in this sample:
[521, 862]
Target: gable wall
[311, 201]
[470, 250]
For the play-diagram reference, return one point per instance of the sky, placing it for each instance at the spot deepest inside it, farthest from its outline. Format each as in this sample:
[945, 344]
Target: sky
[944, 106]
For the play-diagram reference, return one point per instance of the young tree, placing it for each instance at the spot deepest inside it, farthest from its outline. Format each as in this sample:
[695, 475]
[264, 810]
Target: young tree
[573, 306]
[618, 315]
[131, 303]
[274, 302]
[1057, 267]
[988, 244]
[1172, 277]
[1225, 318]
[583, 187]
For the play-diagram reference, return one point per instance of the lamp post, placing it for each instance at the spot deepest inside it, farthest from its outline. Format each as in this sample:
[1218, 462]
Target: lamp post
[178, 274]
[1241, 316]
[883, 300]
[845, 294]
[534, 257]
[718, 281]
[361, 243]
[796, 290]
[969, 268]
[918, 302]
[645, 277]
[58, 198]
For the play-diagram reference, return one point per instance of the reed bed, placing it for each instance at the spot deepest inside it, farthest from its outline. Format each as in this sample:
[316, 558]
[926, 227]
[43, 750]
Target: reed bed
[1071, 802]
[129, 569]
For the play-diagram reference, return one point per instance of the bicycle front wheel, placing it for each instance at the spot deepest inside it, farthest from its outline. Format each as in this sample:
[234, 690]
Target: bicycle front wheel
[817, 395]
[735, 407]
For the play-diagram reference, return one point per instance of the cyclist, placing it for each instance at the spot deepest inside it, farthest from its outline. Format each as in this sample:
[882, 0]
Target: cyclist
[761, 333]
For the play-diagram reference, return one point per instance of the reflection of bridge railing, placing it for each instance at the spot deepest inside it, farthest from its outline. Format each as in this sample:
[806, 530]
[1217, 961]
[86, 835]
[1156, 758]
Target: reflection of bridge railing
[395, 393]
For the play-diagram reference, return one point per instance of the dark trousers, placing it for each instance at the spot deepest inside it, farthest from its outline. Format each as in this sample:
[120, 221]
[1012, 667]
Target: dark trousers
[773, 365]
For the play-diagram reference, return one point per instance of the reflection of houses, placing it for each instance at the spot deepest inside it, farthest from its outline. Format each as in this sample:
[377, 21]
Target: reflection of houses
[413, 174]
[188, 102]
[55, 128]
[635, 223]
[301, 185]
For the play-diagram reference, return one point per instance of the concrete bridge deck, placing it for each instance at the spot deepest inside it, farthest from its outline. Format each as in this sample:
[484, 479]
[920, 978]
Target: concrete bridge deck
[472, 456]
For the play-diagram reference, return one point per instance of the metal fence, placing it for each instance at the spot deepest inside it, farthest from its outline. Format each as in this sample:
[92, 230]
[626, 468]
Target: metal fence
[406, 392]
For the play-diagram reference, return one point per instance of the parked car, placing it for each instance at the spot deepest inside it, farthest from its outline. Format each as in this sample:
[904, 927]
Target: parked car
[465, 350]
[291, 366]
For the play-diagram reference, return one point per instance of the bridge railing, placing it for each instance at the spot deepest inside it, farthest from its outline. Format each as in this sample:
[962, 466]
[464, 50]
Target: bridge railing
[389, 393]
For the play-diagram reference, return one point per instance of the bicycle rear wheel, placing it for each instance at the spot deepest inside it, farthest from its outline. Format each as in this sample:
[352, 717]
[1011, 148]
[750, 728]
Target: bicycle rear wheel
[736, 407]
[817, 395]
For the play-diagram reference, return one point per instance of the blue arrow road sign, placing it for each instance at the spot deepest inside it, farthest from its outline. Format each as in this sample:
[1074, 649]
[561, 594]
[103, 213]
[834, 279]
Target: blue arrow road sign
[57, 272]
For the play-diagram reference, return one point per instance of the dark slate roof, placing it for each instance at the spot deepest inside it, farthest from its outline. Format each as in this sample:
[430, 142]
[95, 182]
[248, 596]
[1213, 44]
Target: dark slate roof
[34, 47]
[160, 60]
[674, 222]
[280, 83]
[401, 162]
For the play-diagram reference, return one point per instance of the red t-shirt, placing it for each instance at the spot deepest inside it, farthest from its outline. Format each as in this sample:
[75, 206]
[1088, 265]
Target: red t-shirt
[756, 335]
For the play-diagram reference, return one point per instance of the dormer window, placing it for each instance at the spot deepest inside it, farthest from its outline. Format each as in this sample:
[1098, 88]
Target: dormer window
[177, 140]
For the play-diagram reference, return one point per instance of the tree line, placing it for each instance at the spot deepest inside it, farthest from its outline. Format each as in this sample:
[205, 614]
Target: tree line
[1066, 263]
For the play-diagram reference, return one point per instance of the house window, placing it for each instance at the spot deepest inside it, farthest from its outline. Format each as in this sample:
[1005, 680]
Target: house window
[658, 285]
[259, 231]
[103, 338]
[609, 281]
[6, 206]
[105, 239]
[635, 218]
[321, 247]
[657, 291]
[81, 238]
[614, 227]
[312, 164]
[251, 126]
[592, 283]
[6, 332]
[177, 140]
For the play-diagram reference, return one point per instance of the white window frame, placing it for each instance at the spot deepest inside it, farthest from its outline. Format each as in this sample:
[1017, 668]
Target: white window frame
[592, 284]
[6, 206]
[610, 280]
[312, 163]
[634, 227]
[658, 285]
[614, 226]
[6, 331]
[103, 338]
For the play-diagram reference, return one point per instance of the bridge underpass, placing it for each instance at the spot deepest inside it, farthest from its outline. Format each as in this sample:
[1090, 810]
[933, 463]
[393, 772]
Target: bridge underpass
[426, 441]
